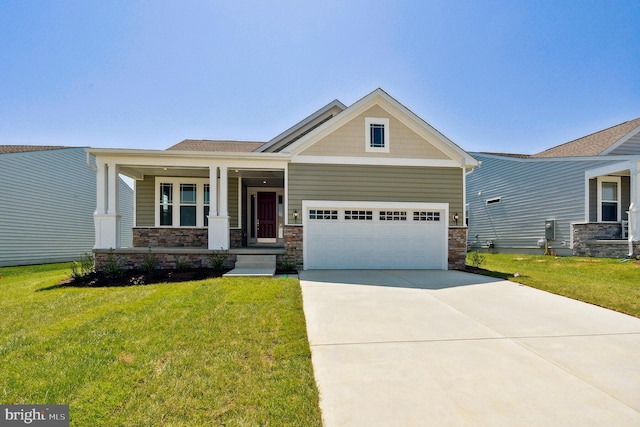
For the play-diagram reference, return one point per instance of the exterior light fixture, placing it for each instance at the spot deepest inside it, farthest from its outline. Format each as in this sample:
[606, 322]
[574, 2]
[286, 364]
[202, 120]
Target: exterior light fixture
[264, 181]
[456, 217]
[295, 216]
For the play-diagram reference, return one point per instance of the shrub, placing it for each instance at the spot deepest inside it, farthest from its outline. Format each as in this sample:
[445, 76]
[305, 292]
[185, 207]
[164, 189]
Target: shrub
[149, 262]
[218, 259]
[476, 259]
[288, 263]
[82, 267]
[114, 266]
[182, 265]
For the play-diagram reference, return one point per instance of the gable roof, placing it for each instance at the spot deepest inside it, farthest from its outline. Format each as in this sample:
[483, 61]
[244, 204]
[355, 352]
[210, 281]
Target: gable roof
[216, 145]
[598, 143]
[402, 113]
[8, 149]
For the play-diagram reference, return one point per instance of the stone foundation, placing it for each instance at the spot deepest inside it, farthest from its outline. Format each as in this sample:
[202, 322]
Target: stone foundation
[600, 240]
[165, 258]
[235, 238]
[293, 243]
[145, 237]
[457, 248]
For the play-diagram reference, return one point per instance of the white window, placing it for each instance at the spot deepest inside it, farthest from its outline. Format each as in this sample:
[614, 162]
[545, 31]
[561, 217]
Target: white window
[426, 216]
[358, 215]
[609, 195]
[393, 215]
[182, 202]
[376, 135]
[323, 214]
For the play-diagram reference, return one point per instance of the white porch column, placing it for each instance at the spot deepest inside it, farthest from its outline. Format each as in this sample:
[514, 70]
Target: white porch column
[106, 218]
[634, 207]
[218, 211]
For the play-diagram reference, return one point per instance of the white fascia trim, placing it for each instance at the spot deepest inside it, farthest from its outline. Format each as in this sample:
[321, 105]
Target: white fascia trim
[196, 162]
[560, 159]
[621, 141]
[606, 170]
[375, 161]
[302, 123]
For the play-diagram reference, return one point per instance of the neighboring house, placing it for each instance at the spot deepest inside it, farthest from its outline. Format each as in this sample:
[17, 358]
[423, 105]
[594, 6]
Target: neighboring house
[47, 198]
[371, 185]
[580, 198]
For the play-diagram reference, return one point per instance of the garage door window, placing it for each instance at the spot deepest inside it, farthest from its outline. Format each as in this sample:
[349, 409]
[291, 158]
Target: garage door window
[426, 216]
[323, 214]
[393, 215]
[358, 215]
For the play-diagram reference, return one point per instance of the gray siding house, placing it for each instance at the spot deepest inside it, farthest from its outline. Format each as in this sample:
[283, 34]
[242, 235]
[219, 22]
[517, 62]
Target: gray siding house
[47, 199]
[580, 198]
[371, 185]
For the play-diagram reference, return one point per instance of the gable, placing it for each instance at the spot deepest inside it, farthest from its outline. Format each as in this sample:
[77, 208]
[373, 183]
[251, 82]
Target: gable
[630, 147]
[349, 140]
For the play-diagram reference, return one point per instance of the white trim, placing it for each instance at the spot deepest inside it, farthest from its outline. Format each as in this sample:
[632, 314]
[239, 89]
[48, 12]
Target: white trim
[375, 161]
[621, 141]
[616, 179]
[368, 121]
[621, 157]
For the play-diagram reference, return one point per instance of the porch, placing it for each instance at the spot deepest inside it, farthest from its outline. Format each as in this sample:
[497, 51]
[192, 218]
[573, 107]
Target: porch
[603, 240]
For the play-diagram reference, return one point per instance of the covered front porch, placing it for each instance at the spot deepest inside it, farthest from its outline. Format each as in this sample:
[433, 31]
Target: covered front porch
[612, 210]
[190, 206]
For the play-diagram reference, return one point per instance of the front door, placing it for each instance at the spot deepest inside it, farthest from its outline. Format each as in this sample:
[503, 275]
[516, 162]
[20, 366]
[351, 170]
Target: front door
[267, 216]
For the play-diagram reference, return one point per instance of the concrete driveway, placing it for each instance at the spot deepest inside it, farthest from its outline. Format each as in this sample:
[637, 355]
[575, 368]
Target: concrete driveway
[416, 348]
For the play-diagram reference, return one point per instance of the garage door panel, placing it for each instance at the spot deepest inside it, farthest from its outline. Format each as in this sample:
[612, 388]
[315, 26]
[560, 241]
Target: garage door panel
[374, 243]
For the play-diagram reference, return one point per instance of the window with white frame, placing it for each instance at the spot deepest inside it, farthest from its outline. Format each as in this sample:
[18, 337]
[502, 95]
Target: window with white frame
[323, 214]
[358, 215]
[426, 216]
[393, 215]
[609, 195]
[183, 202]
[376, 135]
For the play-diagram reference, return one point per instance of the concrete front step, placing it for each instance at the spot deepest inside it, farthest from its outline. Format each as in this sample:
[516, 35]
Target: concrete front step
[254, 265]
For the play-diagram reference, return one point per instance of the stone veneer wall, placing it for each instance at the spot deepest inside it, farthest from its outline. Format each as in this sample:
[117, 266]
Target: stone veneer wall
[600, 240]
[133, 259]
[293, 243]
[144, 237]
[235, 238]
[457, 248]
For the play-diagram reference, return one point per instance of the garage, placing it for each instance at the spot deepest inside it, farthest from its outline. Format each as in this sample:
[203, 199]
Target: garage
[374, 235]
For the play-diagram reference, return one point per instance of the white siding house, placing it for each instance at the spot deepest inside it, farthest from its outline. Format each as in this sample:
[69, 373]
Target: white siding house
[47, 200]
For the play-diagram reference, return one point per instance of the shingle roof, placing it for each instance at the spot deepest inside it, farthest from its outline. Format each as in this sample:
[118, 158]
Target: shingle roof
[7, 149]
[591, 145]
[209, 145]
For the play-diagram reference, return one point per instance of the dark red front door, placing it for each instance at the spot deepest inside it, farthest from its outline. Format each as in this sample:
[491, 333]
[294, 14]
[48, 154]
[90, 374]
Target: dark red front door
[267, 219]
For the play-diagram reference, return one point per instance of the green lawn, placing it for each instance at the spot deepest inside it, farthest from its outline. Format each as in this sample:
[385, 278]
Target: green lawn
[605, 282]
[227, 351]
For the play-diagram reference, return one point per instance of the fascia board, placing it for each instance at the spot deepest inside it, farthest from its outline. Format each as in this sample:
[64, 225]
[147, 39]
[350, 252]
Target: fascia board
[605, 170]
[302, 123]
[622, 157]
[620, 141]
[162, 154]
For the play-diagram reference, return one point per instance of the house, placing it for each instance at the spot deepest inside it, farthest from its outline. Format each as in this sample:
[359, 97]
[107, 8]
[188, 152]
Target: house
[579, 198]
[47, 197]
[371, 185]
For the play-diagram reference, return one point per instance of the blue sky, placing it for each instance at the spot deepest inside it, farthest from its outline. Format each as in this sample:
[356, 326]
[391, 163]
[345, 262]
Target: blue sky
[511, 76]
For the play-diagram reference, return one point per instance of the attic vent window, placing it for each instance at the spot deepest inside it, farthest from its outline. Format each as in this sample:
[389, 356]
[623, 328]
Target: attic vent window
[376, 135]
[494, 200]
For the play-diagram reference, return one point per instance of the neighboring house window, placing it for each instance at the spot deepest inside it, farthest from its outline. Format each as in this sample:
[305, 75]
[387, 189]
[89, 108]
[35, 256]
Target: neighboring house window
[609, 199]
[188, 207]
[376, 135]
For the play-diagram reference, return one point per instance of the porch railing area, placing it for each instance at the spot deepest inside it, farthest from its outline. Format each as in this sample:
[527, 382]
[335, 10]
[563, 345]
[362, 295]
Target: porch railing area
[602, 240]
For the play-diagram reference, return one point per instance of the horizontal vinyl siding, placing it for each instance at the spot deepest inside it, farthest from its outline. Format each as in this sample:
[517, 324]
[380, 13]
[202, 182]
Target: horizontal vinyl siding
[47, 201]
[374, 183]
[125, 206]
[631, 147]
[531, 192]
[232, 193]
[145, 202]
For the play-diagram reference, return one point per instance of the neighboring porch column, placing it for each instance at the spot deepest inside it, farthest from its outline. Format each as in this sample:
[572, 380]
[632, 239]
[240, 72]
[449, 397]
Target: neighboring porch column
[218, 210]
[634, 207]
[106, 217]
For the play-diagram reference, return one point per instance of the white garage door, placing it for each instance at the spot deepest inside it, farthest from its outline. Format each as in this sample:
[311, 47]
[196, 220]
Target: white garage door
[368, 235]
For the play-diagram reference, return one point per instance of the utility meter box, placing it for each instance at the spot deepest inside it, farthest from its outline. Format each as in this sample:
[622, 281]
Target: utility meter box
[550, 229]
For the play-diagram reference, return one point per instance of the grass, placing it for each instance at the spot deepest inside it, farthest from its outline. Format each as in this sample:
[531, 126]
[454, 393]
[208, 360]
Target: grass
[606, 282]
[226, 351]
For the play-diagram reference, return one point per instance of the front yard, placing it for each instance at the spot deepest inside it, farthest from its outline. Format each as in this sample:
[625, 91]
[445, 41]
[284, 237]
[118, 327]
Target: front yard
[225, 351]
[606, 282]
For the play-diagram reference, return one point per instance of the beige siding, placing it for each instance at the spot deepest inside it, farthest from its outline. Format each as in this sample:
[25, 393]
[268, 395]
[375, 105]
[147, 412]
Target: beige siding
[349, 140]
[374, 183]
[145, 201]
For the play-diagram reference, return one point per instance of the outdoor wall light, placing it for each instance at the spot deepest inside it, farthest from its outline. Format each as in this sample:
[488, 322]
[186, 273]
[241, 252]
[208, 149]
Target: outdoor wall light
[456, 217]
[295, 216]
